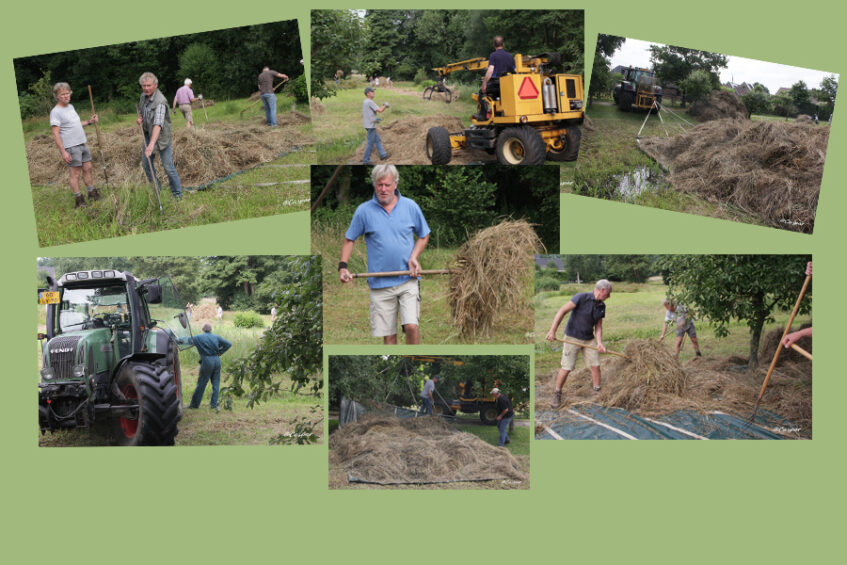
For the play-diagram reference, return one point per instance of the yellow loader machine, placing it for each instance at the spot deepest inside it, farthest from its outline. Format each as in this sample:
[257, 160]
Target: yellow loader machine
[535, 115]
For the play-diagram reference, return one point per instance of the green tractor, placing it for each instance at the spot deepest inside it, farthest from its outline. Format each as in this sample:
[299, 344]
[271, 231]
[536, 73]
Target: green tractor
[111, 352]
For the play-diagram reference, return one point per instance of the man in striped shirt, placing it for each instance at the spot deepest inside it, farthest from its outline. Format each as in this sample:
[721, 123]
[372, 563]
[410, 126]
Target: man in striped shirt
[155, 119]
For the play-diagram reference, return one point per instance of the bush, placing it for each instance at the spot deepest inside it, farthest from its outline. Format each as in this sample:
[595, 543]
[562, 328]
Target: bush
[248, 319]
[697, 86]
[545, 282]
[404, 71]
[420, 76]
[428, 82]
[300, 89]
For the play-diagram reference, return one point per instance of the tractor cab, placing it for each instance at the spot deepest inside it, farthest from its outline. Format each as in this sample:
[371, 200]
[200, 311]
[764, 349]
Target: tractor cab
[638, 89]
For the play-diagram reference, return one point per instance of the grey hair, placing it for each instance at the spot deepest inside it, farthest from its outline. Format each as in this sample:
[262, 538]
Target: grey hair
[59, 86]
[666, 302]
[207, 327]
[148, 77]
[603, 284]
[381, 171]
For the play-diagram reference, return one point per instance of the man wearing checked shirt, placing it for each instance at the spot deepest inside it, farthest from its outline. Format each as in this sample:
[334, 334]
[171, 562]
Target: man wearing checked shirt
[155, 120]
[389, 223]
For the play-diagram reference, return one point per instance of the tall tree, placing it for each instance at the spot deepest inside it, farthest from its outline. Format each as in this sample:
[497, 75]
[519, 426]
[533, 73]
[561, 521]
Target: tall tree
[748, 288]
[674, 64]
[601, 78]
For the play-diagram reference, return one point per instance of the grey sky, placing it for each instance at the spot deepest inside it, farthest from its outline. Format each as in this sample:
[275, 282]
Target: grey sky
[635, 52]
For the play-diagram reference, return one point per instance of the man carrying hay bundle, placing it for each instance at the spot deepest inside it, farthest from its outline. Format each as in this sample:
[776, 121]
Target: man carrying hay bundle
[678, 314]
[155, 120]
[71, 141]
[389, 223]
[585, 330]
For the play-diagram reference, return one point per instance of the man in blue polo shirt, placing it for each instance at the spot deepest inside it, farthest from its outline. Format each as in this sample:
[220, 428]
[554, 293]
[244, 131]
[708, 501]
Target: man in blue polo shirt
[389, 223]
[584, 331]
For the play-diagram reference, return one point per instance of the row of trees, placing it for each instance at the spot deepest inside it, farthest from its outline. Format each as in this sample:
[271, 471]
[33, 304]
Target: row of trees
[398, 379]
[716, 288]
[456, 201]
[405, 43]
[223, 64]
[800, 99]
[240, 282]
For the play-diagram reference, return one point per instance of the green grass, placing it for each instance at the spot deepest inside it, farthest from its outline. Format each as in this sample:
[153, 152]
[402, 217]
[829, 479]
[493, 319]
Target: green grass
[518, 438]
[609, 151]
[241, 426]
[133, 209]
[635, 311]
[346, 307]
[338, 129]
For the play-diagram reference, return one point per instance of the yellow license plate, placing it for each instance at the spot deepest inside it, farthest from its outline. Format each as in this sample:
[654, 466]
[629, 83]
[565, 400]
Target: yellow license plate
[48, 297]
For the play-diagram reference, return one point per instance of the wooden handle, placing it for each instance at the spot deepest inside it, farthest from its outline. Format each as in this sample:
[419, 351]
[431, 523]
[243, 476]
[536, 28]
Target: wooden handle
[401, 273]
[779, 347]
[592, 347]
[801, 351]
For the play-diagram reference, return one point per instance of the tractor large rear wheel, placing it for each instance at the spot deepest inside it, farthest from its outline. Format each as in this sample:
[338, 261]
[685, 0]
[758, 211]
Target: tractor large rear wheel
[570, 151]
[488, 414]
[172, 363]
[625, 101]
[438, 147]
[153, 388]
[521, 146]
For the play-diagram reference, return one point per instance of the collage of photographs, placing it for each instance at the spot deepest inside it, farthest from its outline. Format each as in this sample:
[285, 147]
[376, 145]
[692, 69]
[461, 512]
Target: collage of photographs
[432, 171]
[421, 250]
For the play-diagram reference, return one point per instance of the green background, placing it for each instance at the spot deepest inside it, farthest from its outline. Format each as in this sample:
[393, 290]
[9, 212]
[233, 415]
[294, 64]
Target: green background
[593, 501]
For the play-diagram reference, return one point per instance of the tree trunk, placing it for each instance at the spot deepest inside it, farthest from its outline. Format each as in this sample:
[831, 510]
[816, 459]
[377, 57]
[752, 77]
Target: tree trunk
[757, 323]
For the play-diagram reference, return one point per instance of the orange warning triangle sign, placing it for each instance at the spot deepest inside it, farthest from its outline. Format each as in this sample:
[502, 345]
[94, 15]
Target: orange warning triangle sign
[527, 89]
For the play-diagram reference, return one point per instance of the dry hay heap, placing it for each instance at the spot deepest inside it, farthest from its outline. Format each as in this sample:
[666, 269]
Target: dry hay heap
[773, 339]
[492, 278]
[316, 107]
[386, 450]
[721, 104]
[769, 169]
[652, 382]
[405, 141]
[201, 154]
[205, 312]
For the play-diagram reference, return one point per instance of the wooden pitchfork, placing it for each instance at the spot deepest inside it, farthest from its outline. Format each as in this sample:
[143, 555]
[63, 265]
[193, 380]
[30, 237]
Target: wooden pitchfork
[99, 139]
[592, 347]
[779, 346]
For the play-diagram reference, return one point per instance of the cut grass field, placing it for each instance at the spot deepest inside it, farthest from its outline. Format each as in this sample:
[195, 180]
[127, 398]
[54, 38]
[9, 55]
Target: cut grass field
[635, 311]
[609, 152]
[128, 208]
[133, 209]
[347, 306]
[338, 130]
[519, 448]
[240, 426]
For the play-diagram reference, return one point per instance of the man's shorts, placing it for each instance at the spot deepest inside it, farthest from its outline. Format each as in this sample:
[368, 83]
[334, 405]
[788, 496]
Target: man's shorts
[688, 328]
[569, 352]
[386, 302]
[186, 111]
[79, 155]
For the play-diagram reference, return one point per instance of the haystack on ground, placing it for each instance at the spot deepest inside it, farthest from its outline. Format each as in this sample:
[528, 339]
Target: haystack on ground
[316, 107]
[201, 154]
[405, 141]
[388, 451]
[492, 280]
[653, 383]
[804, 119]
[206, 311]
[721, 104]
[772, 340]
[771, 170]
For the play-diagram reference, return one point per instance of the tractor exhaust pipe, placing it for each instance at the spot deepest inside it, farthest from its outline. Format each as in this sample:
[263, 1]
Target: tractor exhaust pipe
[549, 96]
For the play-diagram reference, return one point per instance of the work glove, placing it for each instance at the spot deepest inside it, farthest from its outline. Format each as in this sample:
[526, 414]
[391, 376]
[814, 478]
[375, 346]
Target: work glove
[200, 97]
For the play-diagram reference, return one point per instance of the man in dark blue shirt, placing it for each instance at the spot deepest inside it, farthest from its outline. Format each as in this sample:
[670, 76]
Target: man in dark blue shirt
[210, 347]
[505, 413]
[500, 62]
[584, 331]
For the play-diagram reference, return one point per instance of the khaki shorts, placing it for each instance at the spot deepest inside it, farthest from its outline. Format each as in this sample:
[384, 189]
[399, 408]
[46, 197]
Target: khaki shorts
[569, 352]
[186, 111]
[386, 302]
[79, 155]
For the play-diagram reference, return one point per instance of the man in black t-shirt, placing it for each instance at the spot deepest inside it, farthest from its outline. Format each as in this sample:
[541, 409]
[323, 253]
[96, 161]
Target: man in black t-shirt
[585, 332]
[505, 413]
[500, 62]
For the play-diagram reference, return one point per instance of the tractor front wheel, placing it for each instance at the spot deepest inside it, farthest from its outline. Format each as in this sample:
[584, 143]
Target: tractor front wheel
[570, 150]
[488, 414]
[153, 388]
[521, 146]
[625, 101]
[438, 147]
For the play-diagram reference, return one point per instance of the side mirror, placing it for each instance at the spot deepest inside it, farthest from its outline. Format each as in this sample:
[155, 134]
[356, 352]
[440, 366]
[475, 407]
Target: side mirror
[154, 293]
[183, 320]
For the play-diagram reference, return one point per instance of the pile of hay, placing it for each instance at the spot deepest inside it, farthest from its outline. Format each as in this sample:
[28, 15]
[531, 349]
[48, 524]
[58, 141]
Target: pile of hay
[201, 154]
[405, 141]
[316, 107]
[386, 450]
[721, 104]
[492, 279]
[653, 383]
[208, 102]
[206, 311]
[771, 170]
[804, 119]
[772, 340]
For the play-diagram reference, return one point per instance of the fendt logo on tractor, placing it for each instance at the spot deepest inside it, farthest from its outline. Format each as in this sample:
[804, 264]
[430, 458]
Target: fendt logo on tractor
[112, 353]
